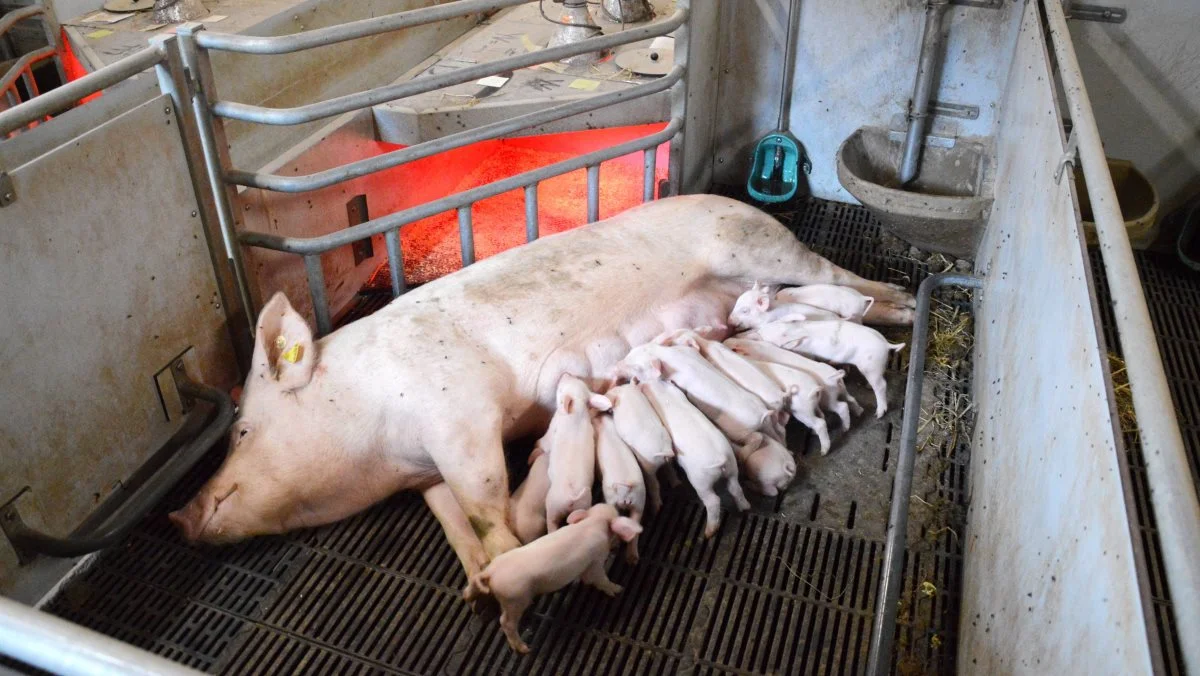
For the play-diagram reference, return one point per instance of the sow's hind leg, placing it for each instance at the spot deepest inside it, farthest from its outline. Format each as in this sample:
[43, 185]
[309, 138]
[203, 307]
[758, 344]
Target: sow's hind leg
[754, 246]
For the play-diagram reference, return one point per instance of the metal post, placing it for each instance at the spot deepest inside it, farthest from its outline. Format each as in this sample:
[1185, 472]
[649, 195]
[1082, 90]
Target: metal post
[1172, 493]
[216, 157]
[466, 235]
[316, 289]
[879, 658]
[395, 261]
[649, 159]
[679, 94]
[593, 193]
[531, 212]
[918, 108]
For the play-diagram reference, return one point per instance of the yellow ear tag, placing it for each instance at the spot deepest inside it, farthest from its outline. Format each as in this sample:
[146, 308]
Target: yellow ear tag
[294, 353]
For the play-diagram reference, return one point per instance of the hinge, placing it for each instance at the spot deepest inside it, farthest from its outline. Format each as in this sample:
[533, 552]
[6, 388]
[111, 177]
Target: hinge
[1075, 10]
[1068, 156]
[8, 194]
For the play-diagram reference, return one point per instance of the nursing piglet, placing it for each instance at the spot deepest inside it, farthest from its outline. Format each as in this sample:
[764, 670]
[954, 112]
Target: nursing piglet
[527, 507]
[767, 465]
[843, 301]
[834, 396]
[639, 427]
[805, 402]
[840, 343]
[620, 476]
[735, 411]
[576, 551]
[757, 307]
[701, 449]
[571, 445]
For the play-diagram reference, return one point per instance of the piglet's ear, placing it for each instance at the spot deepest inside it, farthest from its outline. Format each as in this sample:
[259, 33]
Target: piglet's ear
[576, 516]
[763, 302]
[600, 402]
[655, 367]
[566, 404]
[283, 345]
[626, 528]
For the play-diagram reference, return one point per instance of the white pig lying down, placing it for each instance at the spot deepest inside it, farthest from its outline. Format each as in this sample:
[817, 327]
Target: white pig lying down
[427, 390]
[768, 467]
[576, 551]
[570, 442]
[839, 342]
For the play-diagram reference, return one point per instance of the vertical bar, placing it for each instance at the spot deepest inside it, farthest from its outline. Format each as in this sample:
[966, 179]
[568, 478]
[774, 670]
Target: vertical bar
[649, 160]
[531, 212]
[466, 236]
[593, 193]
[316, 289]
[679, 94]
[395, 261]
[1172, 493]
[216, 157]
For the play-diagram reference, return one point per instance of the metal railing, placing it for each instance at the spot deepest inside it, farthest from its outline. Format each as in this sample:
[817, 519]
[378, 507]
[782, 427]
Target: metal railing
[1173, 495]
[195, 43]
[22, 68]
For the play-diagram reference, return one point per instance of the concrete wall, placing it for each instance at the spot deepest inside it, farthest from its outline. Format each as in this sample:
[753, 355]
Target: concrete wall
[1143, 79]
[856, 60]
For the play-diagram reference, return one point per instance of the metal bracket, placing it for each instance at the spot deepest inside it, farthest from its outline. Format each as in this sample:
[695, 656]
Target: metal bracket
[1068, 156]
[8, 194]
[1075, 10]
[982, 4]
[961, 110]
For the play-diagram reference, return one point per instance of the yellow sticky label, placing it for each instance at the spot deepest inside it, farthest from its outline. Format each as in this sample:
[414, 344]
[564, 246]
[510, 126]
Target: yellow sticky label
[528, 44]
[96, 35]
[554, 66]
[585, 85]
[294, 353]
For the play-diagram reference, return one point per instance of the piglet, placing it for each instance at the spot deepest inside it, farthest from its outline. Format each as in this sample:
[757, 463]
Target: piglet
[757, 307]
[576, 551]
[834, 396]
[571, 445]
[840, 343]
[701, 449]
[620, 476]
[736, 367]
[639, 427]
[768, 465]
[527, 507]
[805, 402]
[843, 301]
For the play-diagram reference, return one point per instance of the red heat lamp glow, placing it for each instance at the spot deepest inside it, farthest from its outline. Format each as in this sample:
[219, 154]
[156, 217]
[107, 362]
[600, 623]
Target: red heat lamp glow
[431, 246]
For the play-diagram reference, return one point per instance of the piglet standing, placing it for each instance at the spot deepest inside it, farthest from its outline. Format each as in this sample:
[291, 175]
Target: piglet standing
[834, 396]
[640, 428]
[703, 452]
[527, 507]
[576, 551]
[840, 343]
[805, 402]
[768, 465]
[620, 476]
[571, 445]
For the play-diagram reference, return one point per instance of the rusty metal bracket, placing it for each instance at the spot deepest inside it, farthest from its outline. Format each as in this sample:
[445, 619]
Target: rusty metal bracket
[1075, 10]
[8, 194]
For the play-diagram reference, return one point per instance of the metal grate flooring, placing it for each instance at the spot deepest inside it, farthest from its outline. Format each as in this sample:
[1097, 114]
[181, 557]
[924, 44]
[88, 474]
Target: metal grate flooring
[786, 588]
[1173, 296]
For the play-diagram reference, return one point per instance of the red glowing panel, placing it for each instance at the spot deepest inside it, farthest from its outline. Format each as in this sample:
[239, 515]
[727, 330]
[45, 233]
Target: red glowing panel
[431, 246]
[72, 67]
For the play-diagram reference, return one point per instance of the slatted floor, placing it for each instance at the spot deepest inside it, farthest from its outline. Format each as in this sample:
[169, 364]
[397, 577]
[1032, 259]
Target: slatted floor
[1173, 296]
[786, 588]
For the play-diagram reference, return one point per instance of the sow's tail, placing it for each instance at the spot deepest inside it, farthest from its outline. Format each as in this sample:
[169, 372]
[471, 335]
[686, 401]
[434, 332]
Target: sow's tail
[479, 584]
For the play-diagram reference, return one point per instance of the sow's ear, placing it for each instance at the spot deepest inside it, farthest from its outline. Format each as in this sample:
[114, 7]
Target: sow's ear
[283, 346]
[626, 528]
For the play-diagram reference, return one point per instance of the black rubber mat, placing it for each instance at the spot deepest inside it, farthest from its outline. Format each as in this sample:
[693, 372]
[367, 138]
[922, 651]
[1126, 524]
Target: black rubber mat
[1173, 296]
[786, 588]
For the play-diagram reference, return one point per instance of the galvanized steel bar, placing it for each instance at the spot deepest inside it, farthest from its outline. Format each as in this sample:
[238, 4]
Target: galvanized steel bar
[333, 240]
[927, 64]
[196, 61]
[57, 646]
[395, 261]
[68, 94]
[593, 193]
[363, 28]
[130, 513]
[372, 97]
[316, 290]
[1172, 492]
[12, 18]
[679, 94]
[466, 236]
[324, 179]
[531, 212]
[649, 159]
[879, 657]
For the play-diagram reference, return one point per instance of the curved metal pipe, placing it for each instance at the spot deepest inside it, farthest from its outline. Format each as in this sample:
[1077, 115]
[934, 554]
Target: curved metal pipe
[918, 108]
